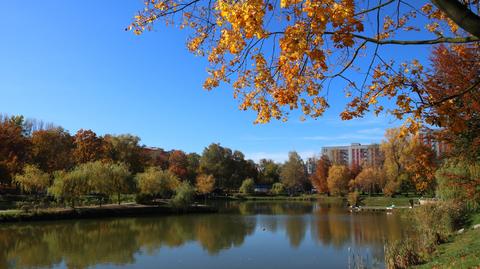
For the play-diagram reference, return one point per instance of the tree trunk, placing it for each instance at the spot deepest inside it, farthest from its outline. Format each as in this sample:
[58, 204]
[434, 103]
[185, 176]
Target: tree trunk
[460, 14]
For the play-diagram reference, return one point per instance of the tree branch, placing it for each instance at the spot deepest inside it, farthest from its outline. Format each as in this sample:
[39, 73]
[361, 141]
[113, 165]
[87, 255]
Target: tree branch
[460, 14]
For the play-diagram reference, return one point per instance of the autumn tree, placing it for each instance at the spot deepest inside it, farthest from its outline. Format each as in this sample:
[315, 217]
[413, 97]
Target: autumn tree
[156, 182]
[205, 184]
[420, 164]
[320, 175]
[14, 148]
[178, 164]
[293, 174]
[455, 69]
[394, 148]
[370, 180]
[88, 147]
[281, 64]
[52, 149]
[32, 180]
[338, 179]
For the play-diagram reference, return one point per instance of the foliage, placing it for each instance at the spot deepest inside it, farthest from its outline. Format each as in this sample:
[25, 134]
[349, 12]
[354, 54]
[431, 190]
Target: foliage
[156, 182]
[283, 64]
[370, 180]
[178, 164]
[320, 176]
[69, 186]
[52, 149]
[277, 188]
[228, 168]
[353, 198]
[436, 222]
[88, 147]
[459, 182]
[13, 148]
[456, 70]
[193, 160]
[402, 254]
[248, 186]
[126, 149]
[184, 194]
[107, 178]
[394, 148]
[269, 172]
[205, 183]
[32, 179]
[293, 174]
[421, 165]
[338, 178]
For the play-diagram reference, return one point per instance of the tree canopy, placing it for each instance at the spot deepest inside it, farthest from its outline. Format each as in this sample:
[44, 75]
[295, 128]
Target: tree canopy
[280, 56]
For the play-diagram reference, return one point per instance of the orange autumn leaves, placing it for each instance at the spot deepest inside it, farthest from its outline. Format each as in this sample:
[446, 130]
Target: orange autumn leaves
[278, 55]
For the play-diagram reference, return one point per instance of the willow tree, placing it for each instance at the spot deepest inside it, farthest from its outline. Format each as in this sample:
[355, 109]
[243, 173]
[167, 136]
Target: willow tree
[283, 55]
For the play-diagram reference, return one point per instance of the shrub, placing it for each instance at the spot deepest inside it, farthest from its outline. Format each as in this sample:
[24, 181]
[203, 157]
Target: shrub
[402, 254]
[436, 222]
[248, 186]
[277, 188]
[353, 198]
[184, 194]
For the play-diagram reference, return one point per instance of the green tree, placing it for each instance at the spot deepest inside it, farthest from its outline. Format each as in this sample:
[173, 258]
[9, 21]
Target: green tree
[184, 194]
[125, 148]
[193, 166]
[293, 174]
[248, 186]
[338, 179]
[277, 188]
[269, 172]
[217, 161]
[107, 178]
[156, 182]
[70, 186]
[33, 180]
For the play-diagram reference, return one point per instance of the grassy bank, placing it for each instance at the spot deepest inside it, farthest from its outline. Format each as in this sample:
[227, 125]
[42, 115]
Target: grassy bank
[125, 210]
[373, 201]
[462, 252]
[386, 201]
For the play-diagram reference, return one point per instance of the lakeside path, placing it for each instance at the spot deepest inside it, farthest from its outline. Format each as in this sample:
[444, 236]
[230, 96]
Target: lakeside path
[104, 211]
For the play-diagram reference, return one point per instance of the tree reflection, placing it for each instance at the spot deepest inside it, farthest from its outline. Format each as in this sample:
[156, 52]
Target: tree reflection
[86, 243]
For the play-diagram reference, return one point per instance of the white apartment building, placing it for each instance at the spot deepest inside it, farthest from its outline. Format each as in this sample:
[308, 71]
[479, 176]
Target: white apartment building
[355, 154]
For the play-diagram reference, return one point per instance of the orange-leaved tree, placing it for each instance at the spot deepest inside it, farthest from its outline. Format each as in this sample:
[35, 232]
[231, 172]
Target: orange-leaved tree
[281, 55]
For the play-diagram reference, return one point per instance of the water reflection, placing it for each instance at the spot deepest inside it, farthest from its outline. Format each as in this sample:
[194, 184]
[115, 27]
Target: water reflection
[87, 243]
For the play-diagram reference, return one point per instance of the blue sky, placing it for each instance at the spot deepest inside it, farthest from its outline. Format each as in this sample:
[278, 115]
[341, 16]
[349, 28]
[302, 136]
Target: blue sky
[72, 63]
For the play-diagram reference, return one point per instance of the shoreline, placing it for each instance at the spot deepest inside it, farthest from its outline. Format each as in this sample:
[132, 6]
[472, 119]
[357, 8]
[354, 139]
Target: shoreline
[105, 211]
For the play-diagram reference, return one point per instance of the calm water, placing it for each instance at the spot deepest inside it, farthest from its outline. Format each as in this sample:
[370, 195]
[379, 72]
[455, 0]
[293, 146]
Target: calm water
[245, 235]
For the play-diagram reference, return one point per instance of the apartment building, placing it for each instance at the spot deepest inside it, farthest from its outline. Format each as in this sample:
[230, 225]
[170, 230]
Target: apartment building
[355, 154]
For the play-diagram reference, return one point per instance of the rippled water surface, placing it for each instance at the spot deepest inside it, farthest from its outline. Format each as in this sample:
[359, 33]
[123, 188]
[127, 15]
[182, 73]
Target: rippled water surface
[244, 235]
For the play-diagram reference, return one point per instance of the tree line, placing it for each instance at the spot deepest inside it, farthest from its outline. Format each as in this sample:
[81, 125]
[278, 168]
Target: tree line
[49, 160]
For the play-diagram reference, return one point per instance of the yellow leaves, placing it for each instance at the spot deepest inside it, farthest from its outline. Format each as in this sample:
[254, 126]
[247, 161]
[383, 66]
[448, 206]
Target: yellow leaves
[245, 16]
[288, 3]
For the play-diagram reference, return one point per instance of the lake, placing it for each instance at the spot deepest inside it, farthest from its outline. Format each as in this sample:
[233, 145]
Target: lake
[278, 235]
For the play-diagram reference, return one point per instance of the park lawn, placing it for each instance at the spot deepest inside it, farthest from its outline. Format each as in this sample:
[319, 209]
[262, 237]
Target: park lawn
[462, 252]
